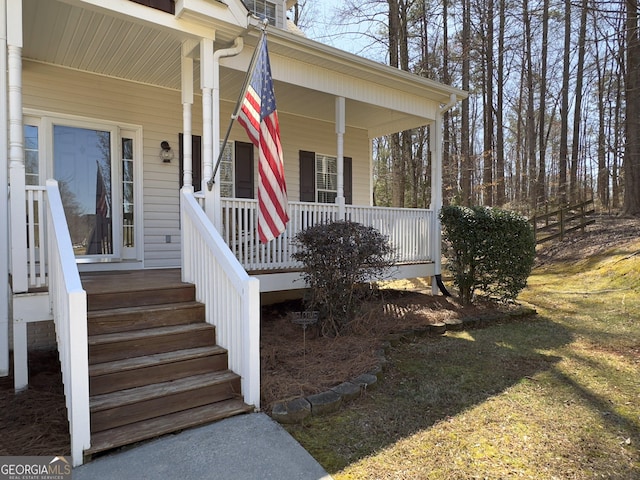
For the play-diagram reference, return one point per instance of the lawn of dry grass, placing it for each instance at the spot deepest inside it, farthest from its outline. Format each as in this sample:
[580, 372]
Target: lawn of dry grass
[555, 396]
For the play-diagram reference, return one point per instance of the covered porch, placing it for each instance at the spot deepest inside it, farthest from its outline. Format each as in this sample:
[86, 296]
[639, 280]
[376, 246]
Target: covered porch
[140, 78]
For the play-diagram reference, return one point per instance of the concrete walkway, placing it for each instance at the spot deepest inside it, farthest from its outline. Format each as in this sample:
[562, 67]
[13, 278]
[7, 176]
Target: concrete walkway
[244, 447]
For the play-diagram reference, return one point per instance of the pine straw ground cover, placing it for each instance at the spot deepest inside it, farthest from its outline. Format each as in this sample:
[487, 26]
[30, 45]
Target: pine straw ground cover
[298, 363]
[34, 421]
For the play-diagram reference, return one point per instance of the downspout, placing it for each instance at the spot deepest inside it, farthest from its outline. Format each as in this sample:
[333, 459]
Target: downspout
[212, 198]
[436, 195]
[4, 199]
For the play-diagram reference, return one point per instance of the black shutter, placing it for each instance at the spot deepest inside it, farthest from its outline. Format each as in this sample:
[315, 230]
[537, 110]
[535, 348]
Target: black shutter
[164, 5]
[196, 161]
[307, 176]
[348, 180]
[244, 170]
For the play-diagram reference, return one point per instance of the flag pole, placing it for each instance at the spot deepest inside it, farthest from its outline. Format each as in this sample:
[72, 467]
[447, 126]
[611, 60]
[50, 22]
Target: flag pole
[243, 92]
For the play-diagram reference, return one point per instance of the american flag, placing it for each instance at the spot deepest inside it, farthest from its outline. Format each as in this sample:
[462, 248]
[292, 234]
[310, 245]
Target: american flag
[259, 117]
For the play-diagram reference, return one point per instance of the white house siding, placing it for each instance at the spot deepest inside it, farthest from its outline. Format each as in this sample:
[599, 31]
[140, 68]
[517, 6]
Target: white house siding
[159, 112]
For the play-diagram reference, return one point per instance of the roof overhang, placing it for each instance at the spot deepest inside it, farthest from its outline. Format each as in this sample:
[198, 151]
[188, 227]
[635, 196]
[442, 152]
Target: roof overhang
[122, 39]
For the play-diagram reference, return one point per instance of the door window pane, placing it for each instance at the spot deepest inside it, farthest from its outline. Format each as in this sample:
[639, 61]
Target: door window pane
[82, 166]
[128, 237]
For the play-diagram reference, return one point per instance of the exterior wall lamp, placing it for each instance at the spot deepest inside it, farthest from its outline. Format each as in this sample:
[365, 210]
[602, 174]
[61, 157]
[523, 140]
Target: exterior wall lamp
[166, 153]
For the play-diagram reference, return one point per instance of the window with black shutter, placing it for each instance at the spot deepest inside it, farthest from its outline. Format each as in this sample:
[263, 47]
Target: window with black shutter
[318, 178]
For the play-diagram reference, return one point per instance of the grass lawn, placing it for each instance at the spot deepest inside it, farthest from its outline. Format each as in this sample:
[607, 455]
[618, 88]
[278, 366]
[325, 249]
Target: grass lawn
[551, 396]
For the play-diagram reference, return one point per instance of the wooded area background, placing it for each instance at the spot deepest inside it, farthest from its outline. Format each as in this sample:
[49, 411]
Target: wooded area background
[553, 113]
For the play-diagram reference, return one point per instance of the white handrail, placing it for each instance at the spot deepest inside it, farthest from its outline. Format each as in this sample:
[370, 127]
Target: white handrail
[69, 307]
[231, 296]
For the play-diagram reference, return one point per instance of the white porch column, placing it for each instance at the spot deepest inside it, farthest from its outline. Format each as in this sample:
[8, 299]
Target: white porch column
[435, 139]
[206, 83]
[340, 129]
[4, 200]
[16, 149]
[212, 196]
[187, 103]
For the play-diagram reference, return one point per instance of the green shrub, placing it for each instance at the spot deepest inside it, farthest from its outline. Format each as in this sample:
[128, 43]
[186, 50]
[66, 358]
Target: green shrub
[339, 259]
[487, 249]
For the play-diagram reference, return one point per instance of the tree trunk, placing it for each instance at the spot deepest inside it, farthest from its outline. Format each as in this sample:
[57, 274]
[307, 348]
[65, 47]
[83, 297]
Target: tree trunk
[603, 172]
[530, 125]
[465, 160]
[487, 177]
[577, 107]
[449, 170]
[541, 187]
[564, 108]
[631, 204]
[500, 185]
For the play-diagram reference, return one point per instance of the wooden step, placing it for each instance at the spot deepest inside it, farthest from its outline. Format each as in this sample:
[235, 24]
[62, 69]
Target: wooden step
[144, 316]
[161, 367]
[174, 422]
[137, 343]
[141, 295]
[124, 407]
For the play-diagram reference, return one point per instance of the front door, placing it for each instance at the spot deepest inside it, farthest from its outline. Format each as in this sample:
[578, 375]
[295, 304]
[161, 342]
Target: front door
[98, 169]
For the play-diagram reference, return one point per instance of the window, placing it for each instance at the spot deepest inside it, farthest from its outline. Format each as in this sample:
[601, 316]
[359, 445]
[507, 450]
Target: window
[262, 9]
[227, 180]
[236, 168]
[319, 178]
[128, 231]
[326, 178]
[31, 155]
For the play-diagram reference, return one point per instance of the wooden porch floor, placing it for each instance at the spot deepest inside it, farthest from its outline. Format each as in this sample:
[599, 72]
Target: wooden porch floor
[130, 280]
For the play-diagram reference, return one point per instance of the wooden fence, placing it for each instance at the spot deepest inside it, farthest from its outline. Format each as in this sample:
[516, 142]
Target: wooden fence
[557, 223]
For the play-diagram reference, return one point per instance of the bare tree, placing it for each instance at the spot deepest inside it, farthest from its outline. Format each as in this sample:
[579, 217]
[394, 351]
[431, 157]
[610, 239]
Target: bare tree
[564, 108]
[577, 106]
[631, 203]
[541, 190]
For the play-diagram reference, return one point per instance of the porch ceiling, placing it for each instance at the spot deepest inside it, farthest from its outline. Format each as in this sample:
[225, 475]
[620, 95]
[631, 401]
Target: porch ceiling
[83, 36]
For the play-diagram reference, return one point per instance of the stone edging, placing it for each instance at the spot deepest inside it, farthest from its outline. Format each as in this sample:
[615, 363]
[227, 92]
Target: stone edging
[296, 410]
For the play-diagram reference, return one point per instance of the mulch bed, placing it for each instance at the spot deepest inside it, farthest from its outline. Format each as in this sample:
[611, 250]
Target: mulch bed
[297, 363]
[34, 421]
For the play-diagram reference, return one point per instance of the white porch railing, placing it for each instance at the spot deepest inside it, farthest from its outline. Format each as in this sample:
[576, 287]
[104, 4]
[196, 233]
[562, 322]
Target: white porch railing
[69, 307]
[408, 230]
[36, 243]
[232, 298]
